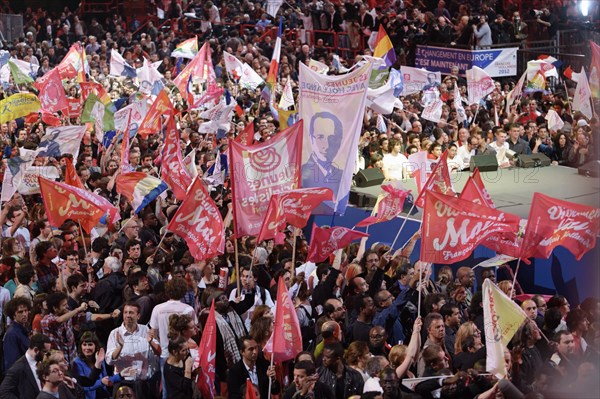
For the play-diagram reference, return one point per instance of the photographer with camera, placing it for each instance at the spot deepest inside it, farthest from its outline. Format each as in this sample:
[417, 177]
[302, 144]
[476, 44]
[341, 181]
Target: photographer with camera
[548, 20]
[483, 33]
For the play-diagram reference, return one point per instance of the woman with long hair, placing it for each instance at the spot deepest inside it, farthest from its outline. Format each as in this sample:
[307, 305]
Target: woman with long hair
[90, 370]
[356, 357]
[562, 147]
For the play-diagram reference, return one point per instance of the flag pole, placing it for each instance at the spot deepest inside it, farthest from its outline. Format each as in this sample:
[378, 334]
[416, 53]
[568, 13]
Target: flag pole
[160, 242]
[419, 292]
[277, 309]
[402, 226]
[512, 289]
[294, 252]
[237, 265]
[83, 243]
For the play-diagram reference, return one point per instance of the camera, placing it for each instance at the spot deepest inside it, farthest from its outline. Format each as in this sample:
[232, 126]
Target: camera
[536, 13]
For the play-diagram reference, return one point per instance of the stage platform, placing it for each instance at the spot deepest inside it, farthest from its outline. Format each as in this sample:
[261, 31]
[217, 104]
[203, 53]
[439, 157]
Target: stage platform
[512, 189]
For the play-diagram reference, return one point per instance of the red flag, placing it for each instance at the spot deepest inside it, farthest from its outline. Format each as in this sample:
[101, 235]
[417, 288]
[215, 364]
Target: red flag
[173, 172]
[92, 87]
[553, 222]
[389, 207]
[259, 171]
[152, 122]
[286, 340]
[246, 137]
[50, 120]
[452, 227]
[293, 207]
[439, 181]
[326, 241]
[71, 177]
[505, 243]
[206, 356]
[198, 221]
[475, 191]
[52, 93]
[64, 202]
[74, 108]
[250, 392]
[125, 165]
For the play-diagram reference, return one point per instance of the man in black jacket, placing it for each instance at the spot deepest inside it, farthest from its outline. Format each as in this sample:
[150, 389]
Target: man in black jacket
[307, 384]
[343, 380]
[252, 367]
[21, 380]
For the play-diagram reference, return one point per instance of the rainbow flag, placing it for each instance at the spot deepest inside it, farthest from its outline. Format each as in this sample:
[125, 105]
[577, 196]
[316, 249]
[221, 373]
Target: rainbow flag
[538, 83]
[186, 49]
[384, 48]
[140, 188]
[269, 90]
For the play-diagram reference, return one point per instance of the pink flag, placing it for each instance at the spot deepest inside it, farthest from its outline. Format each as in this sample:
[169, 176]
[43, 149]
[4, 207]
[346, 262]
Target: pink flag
[326, 241]
[595, 70]
[52, 93]
[198, 221]
[286, 340]
[293, 207]
[452, 227]
[479, 84]
[439, 181]
[553, 222]
[207, 354]
[173, 171]
[388, 207]
[259, 171]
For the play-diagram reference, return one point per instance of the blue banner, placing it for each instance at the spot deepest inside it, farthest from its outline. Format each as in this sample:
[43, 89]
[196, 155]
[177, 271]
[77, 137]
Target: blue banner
[496, 62]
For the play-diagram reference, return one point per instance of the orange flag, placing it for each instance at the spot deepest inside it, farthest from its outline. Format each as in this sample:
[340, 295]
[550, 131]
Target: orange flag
[64, 202]
[152, 121]
[250, 392]
[71, 177]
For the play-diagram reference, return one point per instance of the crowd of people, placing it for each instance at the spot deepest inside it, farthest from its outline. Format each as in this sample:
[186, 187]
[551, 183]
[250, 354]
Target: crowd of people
[120, 313]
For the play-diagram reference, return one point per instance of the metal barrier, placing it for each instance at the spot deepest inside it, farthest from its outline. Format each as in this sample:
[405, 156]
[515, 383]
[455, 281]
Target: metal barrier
[11, 27]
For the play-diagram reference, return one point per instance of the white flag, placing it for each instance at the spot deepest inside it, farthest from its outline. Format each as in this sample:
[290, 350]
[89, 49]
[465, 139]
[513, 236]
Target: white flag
[250, 79]
[502, 318]
[515, 93]
[433, 111]
[582, 101]
[189, 162]
[538, 65]
[318, 67]
[460, 110]
[287, 97]
[61, 140]
[554, 120]
[479, 84]
[233, 65]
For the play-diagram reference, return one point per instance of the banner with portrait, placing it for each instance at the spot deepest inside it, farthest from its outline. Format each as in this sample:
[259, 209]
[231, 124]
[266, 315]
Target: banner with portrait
[332, 108]
[259, 171]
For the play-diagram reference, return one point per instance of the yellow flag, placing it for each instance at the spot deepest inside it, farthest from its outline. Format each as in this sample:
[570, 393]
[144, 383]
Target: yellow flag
[502, 318]
[18, 105]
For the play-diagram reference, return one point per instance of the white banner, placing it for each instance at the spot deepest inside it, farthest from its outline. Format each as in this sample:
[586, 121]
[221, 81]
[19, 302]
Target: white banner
[332, 108]
[61, 140]
[416, 80]
[30, 185]
[433, 112]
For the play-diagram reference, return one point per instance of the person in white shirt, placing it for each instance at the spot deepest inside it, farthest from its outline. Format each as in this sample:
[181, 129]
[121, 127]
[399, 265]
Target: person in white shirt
[159, 320]
[455, 162]
[133, 345]
[394, 163]
[501, 147]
